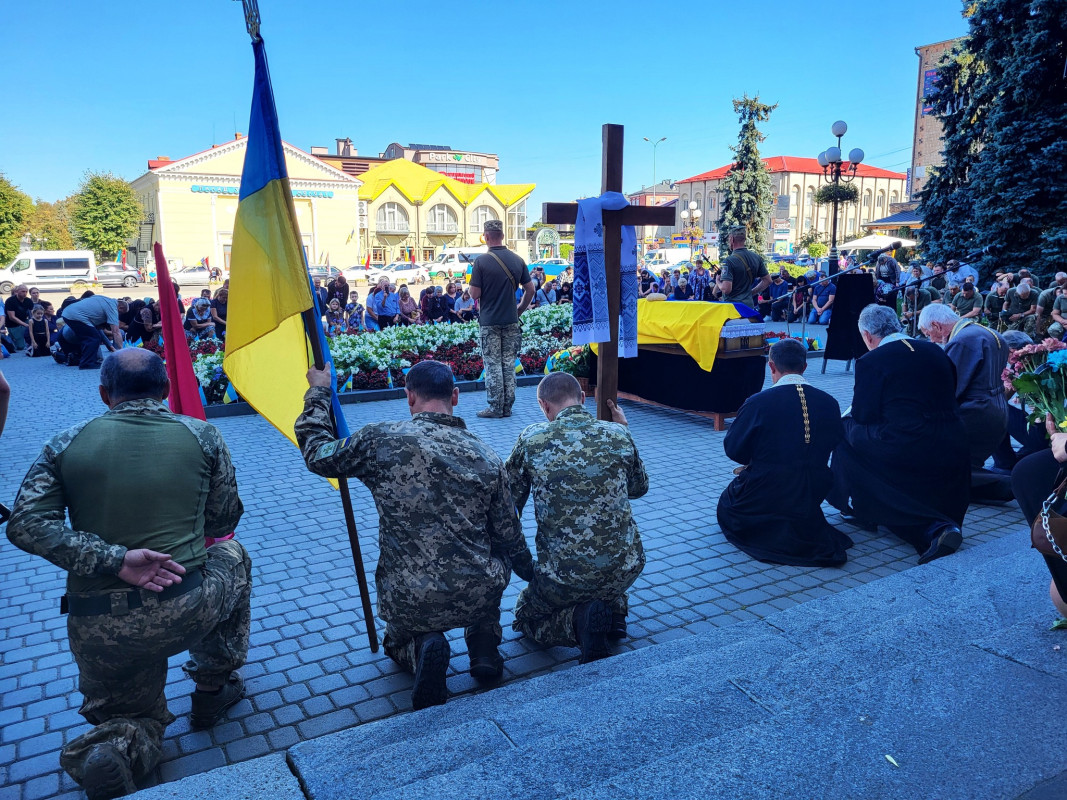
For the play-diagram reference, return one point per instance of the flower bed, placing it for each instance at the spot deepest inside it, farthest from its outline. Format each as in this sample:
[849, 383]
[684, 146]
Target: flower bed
[377, 360]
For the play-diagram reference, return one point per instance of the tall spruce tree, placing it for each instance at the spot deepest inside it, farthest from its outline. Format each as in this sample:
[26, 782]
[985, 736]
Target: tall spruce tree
[1002, 100]
[747, 196]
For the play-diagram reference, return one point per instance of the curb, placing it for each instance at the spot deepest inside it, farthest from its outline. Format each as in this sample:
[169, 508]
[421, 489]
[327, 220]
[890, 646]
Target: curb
[243, 409]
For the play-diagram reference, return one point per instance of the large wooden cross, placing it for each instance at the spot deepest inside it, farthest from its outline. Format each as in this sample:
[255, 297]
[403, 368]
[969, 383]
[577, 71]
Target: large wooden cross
[607, 372]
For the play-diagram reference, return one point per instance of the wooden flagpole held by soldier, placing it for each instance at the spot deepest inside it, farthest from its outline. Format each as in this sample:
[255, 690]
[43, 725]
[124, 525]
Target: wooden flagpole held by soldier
[278, 272]
[607, 384]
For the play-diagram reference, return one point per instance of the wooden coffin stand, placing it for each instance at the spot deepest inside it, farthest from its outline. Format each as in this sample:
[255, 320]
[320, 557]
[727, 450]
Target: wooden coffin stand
[665, 375]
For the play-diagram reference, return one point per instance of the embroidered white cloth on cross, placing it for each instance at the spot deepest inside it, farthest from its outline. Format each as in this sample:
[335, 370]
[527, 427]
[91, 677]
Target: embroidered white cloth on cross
[590, 295]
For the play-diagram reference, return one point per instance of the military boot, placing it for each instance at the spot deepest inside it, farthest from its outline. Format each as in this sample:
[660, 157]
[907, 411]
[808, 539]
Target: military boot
[208, 707]
[486, 662]
[617, 630]
[591, 622]
[431, 668]
[107, 774]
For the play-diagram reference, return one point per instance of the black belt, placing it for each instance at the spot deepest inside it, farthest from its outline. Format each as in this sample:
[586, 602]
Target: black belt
[119, 603]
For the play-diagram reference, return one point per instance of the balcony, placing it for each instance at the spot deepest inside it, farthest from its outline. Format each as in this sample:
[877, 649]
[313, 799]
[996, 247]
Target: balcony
[391, 227]
[442, 228]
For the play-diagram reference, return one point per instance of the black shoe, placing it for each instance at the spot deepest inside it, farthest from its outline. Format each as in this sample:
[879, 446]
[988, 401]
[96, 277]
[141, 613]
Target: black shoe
[208, 708]
[946, 542]
[591, 623]
[107, 773]
[617, 630]
[486, 662]
[431, 667]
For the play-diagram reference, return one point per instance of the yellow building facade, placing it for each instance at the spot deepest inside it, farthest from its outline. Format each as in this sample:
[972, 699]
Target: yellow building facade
[408, 209]
[190, 205]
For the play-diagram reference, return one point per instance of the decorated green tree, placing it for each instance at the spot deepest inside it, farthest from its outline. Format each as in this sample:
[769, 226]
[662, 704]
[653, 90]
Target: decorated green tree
[106, 212]
[1002, 100]
[747, 195]
[15, 210]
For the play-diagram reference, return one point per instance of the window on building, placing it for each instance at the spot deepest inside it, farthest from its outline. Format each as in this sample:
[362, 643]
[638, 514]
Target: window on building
[479, 216]
[442, 219]
[392, 218]
[377, 255]
[867, 201]
[428, 254]
[894, 198]
[809, 197]
[516, 223]
[850, 226]
[880, 204]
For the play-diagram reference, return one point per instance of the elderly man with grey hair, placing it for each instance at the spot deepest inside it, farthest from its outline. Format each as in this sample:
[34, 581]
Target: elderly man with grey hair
[1020, 309]
[904, 462]
[979, 356]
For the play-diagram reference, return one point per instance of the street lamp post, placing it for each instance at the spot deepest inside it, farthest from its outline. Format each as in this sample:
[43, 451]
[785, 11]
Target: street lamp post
[833, 167]
[690, 218]
[655, 144]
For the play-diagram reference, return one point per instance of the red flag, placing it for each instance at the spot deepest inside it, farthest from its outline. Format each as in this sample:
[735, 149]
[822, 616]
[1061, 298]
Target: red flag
[367, 264]
[184, 388]
[412, 253]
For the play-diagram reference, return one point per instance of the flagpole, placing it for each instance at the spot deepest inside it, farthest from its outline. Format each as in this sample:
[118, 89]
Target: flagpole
[313, 328]
[310, 321]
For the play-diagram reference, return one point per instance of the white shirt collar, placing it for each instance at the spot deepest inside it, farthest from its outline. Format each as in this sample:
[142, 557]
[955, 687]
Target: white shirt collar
[791, 380]
[894, 337]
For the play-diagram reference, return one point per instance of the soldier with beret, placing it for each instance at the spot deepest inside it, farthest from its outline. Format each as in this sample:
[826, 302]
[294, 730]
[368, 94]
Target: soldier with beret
[582, 473]
[141, 587]
[448, 534]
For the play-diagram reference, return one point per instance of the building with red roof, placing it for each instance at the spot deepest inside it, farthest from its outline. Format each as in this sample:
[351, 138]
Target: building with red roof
[794, 182]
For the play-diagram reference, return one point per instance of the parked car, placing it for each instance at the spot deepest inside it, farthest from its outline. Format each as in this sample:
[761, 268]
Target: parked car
[112, 273]
[197, 276]
[357, 272]
[399, 272]
[324, 272]
[50, 269]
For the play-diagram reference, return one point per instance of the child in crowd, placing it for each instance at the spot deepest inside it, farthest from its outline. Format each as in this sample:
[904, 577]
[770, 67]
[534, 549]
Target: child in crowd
[335, 318]
[354, 312]
[39, 340]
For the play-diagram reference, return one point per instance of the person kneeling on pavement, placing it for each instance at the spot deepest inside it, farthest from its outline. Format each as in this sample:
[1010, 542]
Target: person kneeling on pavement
[448, 533]
[140, 587]
[582, 472]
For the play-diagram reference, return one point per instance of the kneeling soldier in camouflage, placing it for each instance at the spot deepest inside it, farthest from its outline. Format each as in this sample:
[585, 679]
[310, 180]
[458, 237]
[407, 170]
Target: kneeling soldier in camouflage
[143, 487]
[583, 473]
[448, 533]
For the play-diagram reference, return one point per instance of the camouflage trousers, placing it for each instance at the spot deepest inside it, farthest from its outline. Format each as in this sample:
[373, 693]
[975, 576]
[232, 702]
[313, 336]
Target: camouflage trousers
[122, 659]
[1027, 325]
[545, 608]
[500, 347]
[402, 645]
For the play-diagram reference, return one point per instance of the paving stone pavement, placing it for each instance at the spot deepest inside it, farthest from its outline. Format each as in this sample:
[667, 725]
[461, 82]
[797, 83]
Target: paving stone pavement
[310, 671]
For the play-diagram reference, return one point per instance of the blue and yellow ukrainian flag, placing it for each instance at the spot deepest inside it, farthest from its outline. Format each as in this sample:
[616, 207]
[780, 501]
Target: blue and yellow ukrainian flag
[267, 348]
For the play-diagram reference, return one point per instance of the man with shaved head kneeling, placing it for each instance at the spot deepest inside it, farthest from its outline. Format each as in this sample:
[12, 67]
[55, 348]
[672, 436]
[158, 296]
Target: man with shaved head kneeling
[582, 473]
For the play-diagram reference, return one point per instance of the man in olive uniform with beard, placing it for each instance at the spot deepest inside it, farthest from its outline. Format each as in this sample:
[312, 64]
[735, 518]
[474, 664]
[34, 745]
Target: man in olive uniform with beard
[582, 472]
[448, 533]
[140, 585]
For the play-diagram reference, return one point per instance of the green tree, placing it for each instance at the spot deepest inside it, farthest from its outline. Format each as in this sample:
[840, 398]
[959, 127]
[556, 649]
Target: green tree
[1003, 103]
[50, 225]
[817, 249]
[747, 196]
[810, 237]
[15, 210]
[106, 212]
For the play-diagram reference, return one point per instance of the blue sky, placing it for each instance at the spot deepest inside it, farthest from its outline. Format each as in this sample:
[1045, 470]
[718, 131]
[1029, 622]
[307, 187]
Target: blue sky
[106, 86]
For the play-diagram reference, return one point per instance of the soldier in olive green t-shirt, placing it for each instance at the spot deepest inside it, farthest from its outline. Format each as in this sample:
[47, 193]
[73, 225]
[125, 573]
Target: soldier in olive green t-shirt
[967, 303]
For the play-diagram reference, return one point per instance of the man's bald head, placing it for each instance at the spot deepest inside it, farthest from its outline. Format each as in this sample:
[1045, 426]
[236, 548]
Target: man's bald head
[133, 374]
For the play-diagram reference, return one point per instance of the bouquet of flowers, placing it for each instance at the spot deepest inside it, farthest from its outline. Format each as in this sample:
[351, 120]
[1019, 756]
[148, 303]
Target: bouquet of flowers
[1038, 372]
[573, 360]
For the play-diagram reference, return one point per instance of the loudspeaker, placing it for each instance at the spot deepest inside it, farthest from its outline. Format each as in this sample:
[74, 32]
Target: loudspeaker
[855, 292]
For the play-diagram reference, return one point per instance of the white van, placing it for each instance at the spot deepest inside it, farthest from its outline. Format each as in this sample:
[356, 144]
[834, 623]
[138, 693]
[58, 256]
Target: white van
[666, 257]
[455, 262]
[50, 269]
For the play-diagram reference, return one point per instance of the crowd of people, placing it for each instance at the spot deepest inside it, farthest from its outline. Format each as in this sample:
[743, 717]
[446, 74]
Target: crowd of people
[908, 455]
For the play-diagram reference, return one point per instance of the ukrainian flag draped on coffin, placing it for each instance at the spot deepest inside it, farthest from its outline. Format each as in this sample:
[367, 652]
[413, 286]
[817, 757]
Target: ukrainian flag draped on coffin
[267, 348]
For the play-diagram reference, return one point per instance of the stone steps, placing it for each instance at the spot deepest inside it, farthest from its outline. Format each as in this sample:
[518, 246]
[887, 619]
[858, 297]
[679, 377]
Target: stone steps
[949, 669]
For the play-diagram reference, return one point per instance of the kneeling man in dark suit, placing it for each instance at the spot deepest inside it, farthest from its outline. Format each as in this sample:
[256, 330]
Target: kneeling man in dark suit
[905, 461]
[783, 437]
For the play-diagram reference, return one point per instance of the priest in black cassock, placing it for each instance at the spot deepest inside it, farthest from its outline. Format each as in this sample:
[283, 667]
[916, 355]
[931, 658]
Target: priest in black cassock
[905, 459]
[783, 437]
